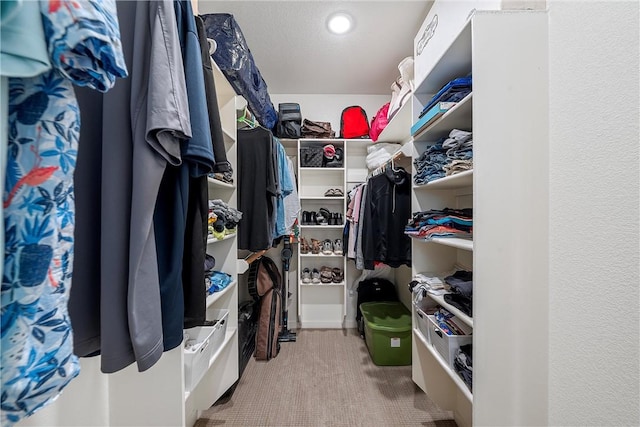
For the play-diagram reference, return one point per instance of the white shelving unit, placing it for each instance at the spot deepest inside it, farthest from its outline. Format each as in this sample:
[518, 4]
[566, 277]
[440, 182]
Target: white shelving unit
[223, 368]
[496, 113]
[321, 305]
[396, 129]
[430, 371]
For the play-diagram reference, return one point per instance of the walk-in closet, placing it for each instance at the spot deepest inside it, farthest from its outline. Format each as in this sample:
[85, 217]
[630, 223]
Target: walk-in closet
[320, 213]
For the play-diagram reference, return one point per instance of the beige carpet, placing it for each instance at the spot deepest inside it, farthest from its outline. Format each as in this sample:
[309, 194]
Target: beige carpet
[326, 378]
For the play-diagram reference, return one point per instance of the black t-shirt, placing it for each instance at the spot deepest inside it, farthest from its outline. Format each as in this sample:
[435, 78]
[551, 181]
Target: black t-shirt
[257, 188]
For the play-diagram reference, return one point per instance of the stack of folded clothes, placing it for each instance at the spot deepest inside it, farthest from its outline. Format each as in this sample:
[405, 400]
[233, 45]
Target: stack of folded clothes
[463, 364]
[441, 223]
[448, 156]
[461, 296]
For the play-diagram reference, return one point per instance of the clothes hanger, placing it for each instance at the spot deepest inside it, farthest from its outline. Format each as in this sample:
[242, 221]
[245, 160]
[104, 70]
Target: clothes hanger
[247, 118]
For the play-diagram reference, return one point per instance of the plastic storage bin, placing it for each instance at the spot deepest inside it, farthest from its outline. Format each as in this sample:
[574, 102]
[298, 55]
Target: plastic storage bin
[197, 354]
[221, 318]
[387, 332]
[447, 345]
[422, 322]
[201, 343]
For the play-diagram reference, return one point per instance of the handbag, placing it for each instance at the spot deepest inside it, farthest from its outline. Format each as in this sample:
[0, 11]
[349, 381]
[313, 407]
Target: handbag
[311, 157]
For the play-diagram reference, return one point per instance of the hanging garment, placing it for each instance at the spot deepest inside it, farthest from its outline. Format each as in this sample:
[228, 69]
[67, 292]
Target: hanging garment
[37, 348]
[181, 210]
[387, 210]
[360, 228]
[257, 188]
[127, 138]
[286, 186]
[291, 202]
[222, 165]
[44, 121]
[23, 53]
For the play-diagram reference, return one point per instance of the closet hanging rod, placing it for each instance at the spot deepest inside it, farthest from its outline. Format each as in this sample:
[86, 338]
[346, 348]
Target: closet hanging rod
[386, 164]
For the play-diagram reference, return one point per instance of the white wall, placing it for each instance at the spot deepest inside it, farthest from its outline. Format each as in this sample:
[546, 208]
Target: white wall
[327, 108]
[594, 210]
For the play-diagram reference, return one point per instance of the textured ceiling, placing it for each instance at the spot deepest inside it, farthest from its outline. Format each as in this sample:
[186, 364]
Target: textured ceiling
[297, 55]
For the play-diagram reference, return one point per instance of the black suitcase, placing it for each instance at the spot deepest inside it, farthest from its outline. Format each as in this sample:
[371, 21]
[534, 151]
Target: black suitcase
[374, 289]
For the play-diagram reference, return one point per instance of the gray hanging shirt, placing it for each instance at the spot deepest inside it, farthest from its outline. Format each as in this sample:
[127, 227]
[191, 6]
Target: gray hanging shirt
[126, 150]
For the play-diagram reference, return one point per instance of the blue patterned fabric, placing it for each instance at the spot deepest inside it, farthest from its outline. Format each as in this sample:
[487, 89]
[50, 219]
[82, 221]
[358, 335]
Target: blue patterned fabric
[83, 37]
[44, 124]
[37, 345]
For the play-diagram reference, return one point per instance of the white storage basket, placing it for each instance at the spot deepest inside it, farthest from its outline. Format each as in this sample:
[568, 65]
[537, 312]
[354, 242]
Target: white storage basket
[447, 345]
[201, 343]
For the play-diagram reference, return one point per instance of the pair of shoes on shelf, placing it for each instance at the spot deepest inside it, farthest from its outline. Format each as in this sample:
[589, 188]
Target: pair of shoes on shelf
[329, 218]
[331, 275]
[315, 246]
[332, 248]
[325, 274]
[337, 275]
[334, 192]
[310, 275]
[322, 217]
[304, 246]
[309, 218]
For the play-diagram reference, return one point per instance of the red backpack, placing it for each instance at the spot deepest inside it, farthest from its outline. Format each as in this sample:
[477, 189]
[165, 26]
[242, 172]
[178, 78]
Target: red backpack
[354, 123]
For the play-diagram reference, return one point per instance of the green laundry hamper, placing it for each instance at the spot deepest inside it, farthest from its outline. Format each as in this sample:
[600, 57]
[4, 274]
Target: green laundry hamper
[387, 332]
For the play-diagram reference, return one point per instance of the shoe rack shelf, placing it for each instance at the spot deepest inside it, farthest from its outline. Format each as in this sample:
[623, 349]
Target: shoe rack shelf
[323, 284]
[321, 305]
[320, 256]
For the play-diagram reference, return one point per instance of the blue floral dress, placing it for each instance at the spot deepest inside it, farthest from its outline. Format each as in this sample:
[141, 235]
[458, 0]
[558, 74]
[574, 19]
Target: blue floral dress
[38, 200]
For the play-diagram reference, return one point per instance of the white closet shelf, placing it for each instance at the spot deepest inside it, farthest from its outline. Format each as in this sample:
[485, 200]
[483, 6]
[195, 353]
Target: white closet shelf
[455, 311]
[322, 226]
[320, 255]
[397, 129]
[321, 198]
[457, 117]
[454, 242]
[321, 169]
[227, 339]
[211, 299]
[322, 140]
[459, 180]
[220, 184]
[211, 239]
[454, 62]
[322, 284]
[445, 366]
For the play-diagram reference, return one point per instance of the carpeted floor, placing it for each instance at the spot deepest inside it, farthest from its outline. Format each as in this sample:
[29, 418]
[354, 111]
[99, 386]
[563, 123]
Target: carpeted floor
[326, 378]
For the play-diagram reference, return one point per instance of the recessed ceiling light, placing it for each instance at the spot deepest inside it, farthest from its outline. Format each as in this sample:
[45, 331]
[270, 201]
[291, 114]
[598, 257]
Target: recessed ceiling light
[340, 23]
